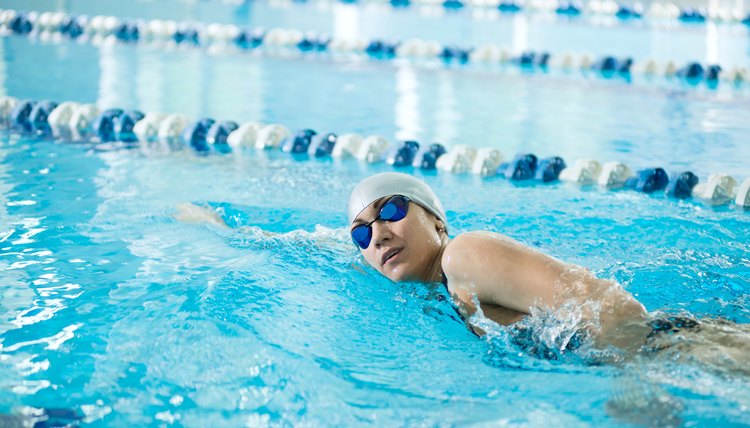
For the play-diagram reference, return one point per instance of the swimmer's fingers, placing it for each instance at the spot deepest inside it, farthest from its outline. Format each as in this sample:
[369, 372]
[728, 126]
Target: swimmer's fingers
[258, 232]
[191, 213]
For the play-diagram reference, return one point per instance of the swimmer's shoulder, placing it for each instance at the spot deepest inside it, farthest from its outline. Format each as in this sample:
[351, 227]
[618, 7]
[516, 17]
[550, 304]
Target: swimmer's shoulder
[465, 250]
[475, 242]
[483, 256]
[474, 264]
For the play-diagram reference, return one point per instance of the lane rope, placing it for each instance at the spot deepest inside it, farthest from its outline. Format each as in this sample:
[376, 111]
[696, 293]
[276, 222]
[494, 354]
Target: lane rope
[229, 37]
[117, 128]
[621, 12]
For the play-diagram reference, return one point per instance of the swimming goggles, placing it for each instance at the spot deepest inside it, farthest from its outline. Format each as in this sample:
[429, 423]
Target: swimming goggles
[394, 209]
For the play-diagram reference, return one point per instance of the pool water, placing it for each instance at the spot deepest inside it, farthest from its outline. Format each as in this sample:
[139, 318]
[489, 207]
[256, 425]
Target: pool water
[115, 310]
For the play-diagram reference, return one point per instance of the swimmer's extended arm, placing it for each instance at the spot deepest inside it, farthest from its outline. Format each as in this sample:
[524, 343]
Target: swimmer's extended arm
[191, 213]
[202, 214]
[500, 271]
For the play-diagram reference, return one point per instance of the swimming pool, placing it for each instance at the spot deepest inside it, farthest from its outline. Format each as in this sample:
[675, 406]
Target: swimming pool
[115, 310]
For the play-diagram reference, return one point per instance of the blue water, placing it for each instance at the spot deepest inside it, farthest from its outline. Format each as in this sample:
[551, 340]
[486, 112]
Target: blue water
[112, 308]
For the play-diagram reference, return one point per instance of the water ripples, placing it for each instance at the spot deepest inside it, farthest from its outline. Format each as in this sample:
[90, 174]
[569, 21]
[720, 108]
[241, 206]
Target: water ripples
[278, 320]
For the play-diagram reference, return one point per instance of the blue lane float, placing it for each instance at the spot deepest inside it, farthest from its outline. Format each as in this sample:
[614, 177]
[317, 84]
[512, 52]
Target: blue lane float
[681, 187]
[624, 66]
[427, 158]
[123, 126]
[609, 65]
[186, 33]
[455, 54]
[691, 15]
[298, 143]
[523, 167]
[128, 31]
[403, 153]
[381, 50]
[694, 72]
[530, 59]
[250, 38]
[73, 26]
[569, 8]
[103, 127]
[548, 169]
[625, 12]
[219, 132]
[509, 7]
[322, 145]
[648, 180]
[691, 71]
[306, 44]
[19, 116]
[712, 73]
[21, 24]
[194, 135]
[38, 117]
[453, 4]
[71, 120]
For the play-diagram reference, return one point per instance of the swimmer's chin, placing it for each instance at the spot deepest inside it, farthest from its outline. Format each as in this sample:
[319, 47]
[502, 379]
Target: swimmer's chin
[391, 272]
[398, 271]
[394, 276]
[400, 274]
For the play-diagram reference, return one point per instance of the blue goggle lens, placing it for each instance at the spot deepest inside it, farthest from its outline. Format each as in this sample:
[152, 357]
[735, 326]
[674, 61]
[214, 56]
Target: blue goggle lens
[362, 235]
[394, 209]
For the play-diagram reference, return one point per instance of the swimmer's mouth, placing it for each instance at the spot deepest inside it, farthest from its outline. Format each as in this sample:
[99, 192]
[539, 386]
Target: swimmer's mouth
[388, 255]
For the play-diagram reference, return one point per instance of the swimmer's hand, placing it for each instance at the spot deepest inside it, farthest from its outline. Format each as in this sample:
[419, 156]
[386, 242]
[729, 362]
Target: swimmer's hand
[191, 213]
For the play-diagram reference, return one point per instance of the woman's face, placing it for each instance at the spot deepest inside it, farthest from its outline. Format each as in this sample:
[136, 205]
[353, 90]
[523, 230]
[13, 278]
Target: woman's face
[404, 250]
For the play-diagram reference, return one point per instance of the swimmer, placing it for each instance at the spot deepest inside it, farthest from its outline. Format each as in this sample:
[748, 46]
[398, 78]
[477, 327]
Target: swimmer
[400, 227]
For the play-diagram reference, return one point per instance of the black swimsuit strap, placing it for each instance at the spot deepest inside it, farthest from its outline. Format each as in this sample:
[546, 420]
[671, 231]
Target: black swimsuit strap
[444, 281]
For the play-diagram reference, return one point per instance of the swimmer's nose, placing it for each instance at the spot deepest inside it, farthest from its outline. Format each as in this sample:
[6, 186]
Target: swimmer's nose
[381, 232]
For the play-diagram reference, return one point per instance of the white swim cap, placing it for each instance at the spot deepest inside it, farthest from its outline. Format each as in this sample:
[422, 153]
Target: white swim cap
[394, 183]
